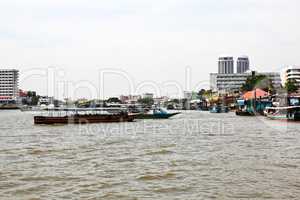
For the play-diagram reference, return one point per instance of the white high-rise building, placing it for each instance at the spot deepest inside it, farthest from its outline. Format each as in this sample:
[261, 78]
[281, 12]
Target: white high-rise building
[242, 64]
[225, 65]
[9, 84]
[291, 73]
[224, 83]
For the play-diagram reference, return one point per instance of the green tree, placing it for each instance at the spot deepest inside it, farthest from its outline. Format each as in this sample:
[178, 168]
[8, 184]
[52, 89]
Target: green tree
[291, 86]
[201, 93]
[113, 100]
[176, 101]
[146, 101]
[208, 93]
[35, 100]
[258, 81]
[31, 93]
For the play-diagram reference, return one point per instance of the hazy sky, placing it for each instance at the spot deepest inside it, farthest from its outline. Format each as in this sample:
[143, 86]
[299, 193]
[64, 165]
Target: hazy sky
[151, 42]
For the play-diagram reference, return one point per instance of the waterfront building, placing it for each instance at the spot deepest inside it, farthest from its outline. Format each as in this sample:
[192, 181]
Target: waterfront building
[187, 95]
[227, 83]
[9, 83]
[242, 64]
[161, 100]
[225, 65]
[45, 100]
[291, 73]
[130, 99]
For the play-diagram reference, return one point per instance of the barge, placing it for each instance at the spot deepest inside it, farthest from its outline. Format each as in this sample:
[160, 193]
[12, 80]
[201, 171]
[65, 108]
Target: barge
[83, 116]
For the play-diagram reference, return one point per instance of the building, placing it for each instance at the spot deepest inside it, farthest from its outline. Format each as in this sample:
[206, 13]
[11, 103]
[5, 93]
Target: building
[225, 64]
[45, 100]
[242, 64]
[130, 99]
[187, 95]
[9, 83]
[291, 73]
[161, 100]
[226, 83]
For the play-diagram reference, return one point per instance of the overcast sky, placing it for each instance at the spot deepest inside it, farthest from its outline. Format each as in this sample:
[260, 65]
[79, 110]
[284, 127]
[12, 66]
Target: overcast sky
[151, 42]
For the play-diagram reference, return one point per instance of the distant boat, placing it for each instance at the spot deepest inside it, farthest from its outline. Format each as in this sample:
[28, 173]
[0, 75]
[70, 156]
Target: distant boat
[31, 108]
[83, 116]
[156, 113]
[9, 107]
[244, 113]
[219, 109]
[290, 113]
[252, 107]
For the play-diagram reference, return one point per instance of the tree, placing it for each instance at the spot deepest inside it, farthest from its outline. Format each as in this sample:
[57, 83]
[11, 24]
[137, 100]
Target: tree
[146, 101]
[31, 93]
[113, 100]
[176, 101]
[291, 86]
[201, 92]
[208, 93]
[258, 81]
[35, 100]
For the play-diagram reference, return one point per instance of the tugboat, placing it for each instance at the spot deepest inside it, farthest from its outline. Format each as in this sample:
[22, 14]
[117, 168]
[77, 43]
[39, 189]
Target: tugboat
[244, 109]
[156, 113]
[83, 116]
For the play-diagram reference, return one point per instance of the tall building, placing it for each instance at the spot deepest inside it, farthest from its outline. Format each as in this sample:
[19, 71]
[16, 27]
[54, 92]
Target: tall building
[225, 65]
[9, 80]
[242, 64]
[224, 83]
[291, 73]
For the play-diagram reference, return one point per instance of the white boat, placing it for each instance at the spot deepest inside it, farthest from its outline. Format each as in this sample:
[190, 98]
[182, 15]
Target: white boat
[289, 113]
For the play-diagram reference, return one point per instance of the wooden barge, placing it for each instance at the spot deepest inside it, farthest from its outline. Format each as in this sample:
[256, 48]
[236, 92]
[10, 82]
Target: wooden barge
[83, 116]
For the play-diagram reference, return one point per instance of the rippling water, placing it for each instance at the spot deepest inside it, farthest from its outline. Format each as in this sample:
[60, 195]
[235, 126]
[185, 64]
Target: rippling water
[195, 155]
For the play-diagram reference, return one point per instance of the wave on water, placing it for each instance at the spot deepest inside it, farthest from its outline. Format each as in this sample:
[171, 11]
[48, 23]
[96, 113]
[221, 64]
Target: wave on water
[160, 152]
[150, 177]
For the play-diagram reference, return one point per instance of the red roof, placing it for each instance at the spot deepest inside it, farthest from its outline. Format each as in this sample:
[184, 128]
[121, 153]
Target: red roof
[5, 97]
[258, 93]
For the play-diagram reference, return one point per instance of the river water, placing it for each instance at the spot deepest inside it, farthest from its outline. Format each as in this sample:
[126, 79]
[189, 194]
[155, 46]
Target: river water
[195, 155]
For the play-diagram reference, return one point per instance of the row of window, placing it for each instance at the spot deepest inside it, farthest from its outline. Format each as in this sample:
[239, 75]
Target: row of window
[293, 70]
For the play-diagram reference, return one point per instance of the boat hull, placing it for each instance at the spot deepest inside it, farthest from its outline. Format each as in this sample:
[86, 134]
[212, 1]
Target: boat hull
[219, 109]
[156, 116]
[9, 107]
[291, 113]
[83, 119]
[284, 118]
[244, 113]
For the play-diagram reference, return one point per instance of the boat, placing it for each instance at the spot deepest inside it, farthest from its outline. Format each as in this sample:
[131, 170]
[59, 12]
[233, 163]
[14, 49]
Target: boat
[156, 113]
[9, 107]
[244, 113]
[83, 116]
[31, 108]
[290, 113]
[252, 107]
[219, 109]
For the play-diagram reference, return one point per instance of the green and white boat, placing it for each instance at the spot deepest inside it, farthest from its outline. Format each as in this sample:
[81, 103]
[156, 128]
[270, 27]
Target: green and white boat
[290, 113]
[156, 113]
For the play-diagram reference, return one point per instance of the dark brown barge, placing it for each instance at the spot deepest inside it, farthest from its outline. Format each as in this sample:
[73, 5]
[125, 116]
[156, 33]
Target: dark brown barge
[83, 116]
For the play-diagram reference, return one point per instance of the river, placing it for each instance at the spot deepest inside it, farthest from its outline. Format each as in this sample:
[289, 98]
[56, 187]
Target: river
[194, 155]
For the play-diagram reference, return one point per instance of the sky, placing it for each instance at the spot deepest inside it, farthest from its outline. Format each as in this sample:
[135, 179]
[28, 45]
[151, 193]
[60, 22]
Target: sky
[93, 49]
